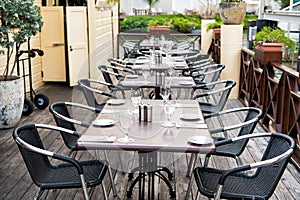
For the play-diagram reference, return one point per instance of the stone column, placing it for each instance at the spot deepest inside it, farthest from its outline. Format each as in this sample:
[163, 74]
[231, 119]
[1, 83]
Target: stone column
[206, 36]
[231, 45]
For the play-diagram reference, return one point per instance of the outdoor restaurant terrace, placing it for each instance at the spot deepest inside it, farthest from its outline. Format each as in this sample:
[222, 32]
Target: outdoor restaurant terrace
[148, 120]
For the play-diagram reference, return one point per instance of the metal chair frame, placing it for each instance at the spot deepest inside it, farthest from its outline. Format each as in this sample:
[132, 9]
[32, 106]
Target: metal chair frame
[233, 183]
[90, 92]
[32, 150]
[63, 119]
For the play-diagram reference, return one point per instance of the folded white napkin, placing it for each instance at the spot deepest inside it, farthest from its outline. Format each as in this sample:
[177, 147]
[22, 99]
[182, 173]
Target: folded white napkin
[191, 125]
[97, 138]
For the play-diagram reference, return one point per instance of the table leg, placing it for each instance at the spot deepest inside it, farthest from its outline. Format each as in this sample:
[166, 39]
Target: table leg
[148, 165]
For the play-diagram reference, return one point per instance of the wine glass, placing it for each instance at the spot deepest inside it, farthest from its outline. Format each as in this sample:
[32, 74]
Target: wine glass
[169, 109]
[165, 92]
[125, 122]
[146, 72]
[170, 69]
[136, 97]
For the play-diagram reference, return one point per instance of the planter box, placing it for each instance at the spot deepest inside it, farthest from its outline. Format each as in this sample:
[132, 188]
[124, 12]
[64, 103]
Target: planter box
[159, 30]
[268, 52]
[216, 33]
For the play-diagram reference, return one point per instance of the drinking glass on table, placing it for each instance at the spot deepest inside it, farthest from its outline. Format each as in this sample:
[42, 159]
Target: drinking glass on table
[169, 109]
[165, 92]
[170, 69]
[136, 97]
[146, 71]
[125, 122]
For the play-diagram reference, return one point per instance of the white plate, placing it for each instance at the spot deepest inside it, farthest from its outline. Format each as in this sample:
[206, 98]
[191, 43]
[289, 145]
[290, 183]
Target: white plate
[116, 101]
[132, 76]
[200, 140]
[179, 59]
[189, 117]
[142, 58]
[185, 83]
[103, 122]
[179, 66]
[141, 61]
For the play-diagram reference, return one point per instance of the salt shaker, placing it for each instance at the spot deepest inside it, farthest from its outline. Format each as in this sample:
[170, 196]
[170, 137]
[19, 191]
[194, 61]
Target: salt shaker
[149, 112]
[163, 78]
[141, 112]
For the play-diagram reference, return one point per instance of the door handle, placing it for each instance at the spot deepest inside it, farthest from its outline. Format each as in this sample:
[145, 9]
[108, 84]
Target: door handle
[71, 49]
[58, 44]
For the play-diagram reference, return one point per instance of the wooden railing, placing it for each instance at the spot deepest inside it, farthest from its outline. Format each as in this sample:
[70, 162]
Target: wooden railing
[273, 88]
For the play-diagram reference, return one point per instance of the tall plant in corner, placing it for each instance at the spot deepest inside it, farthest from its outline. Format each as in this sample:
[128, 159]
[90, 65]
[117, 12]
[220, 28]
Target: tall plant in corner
[19, 20]
[151, 3]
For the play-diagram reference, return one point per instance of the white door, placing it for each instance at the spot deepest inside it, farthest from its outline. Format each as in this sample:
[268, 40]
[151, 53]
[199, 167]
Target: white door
[77, 43]
[53, 44]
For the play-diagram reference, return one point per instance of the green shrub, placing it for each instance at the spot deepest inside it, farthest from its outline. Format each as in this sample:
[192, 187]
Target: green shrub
[269, 34]
[178, 22]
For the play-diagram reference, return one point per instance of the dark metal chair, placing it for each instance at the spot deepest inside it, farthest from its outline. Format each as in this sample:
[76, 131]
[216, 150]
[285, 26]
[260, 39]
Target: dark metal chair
[92, 89]
[238, 182]
[246, 127]
[61, 112]
[63, 118]
[69, 174]
[196, 66]
[223, 93]
[207, 74]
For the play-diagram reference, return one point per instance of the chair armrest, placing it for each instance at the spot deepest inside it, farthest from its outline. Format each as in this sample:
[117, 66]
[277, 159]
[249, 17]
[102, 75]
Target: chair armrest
[48, 153]
[235, 126]
[71, 104]
[211, 92]
[266, 162]
[99, 91]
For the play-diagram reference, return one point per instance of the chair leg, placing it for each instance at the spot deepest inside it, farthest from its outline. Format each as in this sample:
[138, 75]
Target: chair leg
[187, 195]
[85, 193]
[206, 160]
[197, 195]
[38, 194]
[111, 177]
[238, 161]
[104, 190]
[191, 164]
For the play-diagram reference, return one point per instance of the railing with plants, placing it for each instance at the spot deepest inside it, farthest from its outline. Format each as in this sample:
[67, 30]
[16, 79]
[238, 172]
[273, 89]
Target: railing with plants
[272, 87]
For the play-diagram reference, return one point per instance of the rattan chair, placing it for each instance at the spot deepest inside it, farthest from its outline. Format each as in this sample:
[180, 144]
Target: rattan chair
[207, 74]
[221, 89]
[63, 118]
[238, 182]
[93, 92]
[246, 127]
[243, 127]
[70, 173]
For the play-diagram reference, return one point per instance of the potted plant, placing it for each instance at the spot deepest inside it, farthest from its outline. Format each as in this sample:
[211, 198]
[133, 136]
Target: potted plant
[209, 10]
[232, 11]
[269, 43]
[19, 20]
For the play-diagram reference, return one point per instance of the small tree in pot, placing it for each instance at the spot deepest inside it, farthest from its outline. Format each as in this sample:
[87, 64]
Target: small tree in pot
[19, 20]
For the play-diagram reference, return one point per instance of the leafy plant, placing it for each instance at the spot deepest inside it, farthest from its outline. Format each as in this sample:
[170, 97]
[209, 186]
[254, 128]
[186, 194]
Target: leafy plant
[268, 34]
[178, 22]
[20, 19]
[151, 3]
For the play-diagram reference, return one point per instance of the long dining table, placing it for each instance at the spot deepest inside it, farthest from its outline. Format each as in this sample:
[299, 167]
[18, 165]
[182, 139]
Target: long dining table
[189, 135]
